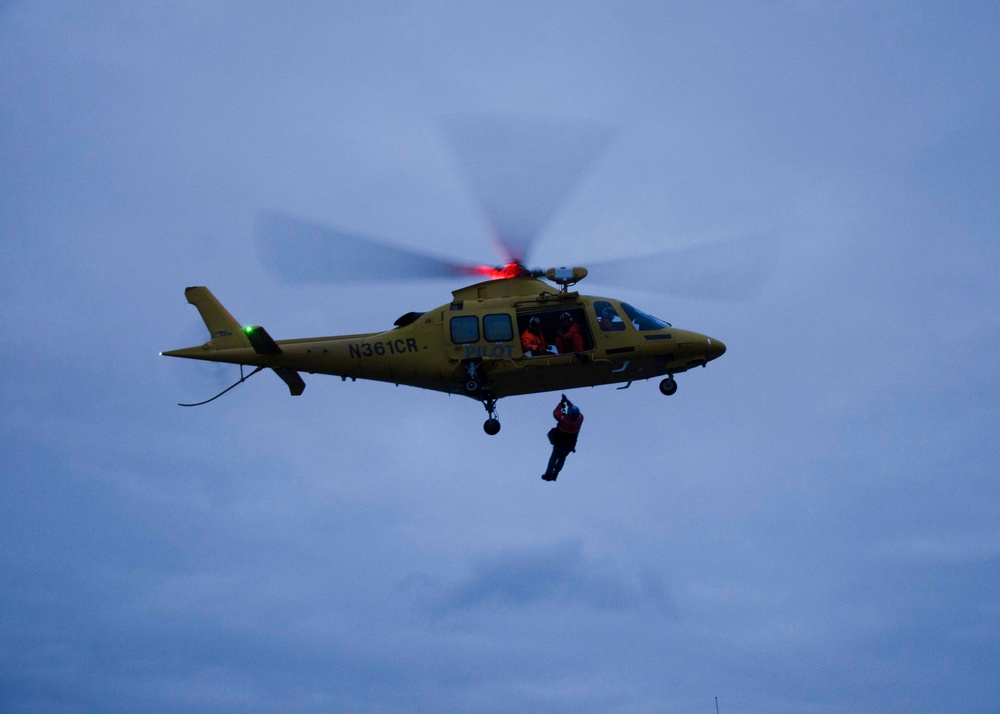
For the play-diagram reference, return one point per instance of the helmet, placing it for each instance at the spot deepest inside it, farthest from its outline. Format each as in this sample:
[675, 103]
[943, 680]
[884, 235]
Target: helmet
[573, 412]
[608, 312]
[534, 322]
[566, 317]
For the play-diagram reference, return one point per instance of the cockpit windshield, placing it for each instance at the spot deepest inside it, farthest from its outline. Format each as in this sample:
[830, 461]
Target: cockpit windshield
[641, 320]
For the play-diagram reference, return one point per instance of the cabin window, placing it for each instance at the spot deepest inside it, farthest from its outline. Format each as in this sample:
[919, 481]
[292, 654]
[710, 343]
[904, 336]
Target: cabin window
[498, 328]
[464, 329]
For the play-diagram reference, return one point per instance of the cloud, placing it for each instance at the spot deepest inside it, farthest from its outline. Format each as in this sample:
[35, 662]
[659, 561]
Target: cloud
[559, 574]
[942, 548]
[807, 525]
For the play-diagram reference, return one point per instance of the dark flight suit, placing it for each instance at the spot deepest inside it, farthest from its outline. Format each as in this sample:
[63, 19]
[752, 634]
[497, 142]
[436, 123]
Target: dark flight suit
[563, 437]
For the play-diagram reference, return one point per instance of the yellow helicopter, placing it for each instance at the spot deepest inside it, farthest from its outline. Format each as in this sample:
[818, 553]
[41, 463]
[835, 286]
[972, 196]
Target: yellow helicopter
[517, 330]
[473, 345]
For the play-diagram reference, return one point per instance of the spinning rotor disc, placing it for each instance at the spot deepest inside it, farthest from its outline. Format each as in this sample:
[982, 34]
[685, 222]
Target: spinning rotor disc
[520, 169]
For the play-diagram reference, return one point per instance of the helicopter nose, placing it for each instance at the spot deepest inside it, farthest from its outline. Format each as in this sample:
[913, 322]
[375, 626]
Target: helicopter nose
[716, 348]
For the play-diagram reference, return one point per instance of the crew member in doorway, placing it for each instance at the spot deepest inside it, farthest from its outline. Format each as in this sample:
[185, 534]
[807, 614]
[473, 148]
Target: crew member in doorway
[563, 436]
[570, 336]
[532, 340]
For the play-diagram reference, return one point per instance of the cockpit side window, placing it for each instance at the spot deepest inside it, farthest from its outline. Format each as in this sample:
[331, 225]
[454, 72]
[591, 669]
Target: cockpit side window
[642, 321]
[608, 318]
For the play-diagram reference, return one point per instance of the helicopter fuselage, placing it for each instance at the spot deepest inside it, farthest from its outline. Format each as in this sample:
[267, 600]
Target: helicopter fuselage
[473, 346]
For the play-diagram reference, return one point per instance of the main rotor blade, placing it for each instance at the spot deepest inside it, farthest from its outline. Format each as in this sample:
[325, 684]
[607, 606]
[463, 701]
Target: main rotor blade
[297, 251]
[729, 270]
[521, 168]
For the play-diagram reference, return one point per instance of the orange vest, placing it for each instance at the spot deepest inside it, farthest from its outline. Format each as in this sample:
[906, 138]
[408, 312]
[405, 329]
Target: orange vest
[572, 341]
[533, 343]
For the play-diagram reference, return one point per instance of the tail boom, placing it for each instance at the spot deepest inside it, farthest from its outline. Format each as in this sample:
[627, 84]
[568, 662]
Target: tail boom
[229, 342]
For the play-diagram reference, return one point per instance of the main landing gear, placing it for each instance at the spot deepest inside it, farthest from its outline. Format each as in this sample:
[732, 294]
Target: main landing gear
[474, 377]
[668, 386]
[475, 386]
[492, 425]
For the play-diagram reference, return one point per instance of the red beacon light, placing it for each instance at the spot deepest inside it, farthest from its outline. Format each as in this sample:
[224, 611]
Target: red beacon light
[511, 270]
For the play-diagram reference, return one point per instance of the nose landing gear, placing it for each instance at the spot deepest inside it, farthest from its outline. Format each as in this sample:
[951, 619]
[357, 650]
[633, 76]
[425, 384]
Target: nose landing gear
[668, 386]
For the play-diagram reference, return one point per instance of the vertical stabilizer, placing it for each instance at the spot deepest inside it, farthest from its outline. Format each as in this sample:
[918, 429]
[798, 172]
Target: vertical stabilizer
[225, 331]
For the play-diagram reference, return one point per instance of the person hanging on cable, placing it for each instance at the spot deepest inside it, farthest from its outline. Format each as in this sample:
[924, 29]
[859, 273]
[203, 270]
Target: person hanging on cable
[563, 436]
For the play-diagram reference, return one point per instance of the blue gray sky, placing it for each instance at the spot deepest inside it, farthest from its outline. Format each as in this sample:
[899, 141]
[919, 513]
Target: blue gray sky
[810, 524]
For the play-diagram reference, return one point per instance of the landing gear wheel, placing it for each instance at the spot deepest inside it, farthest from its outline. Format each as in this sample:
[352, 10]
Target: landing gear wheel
[668, 386]
[492, 427]
[472, 386]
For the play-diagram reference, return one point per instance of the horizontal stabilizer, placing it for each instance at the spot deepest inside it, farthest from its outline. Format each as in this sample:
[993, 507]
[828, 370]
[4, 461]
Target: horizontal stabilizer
[290, 377]
[261, 341]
